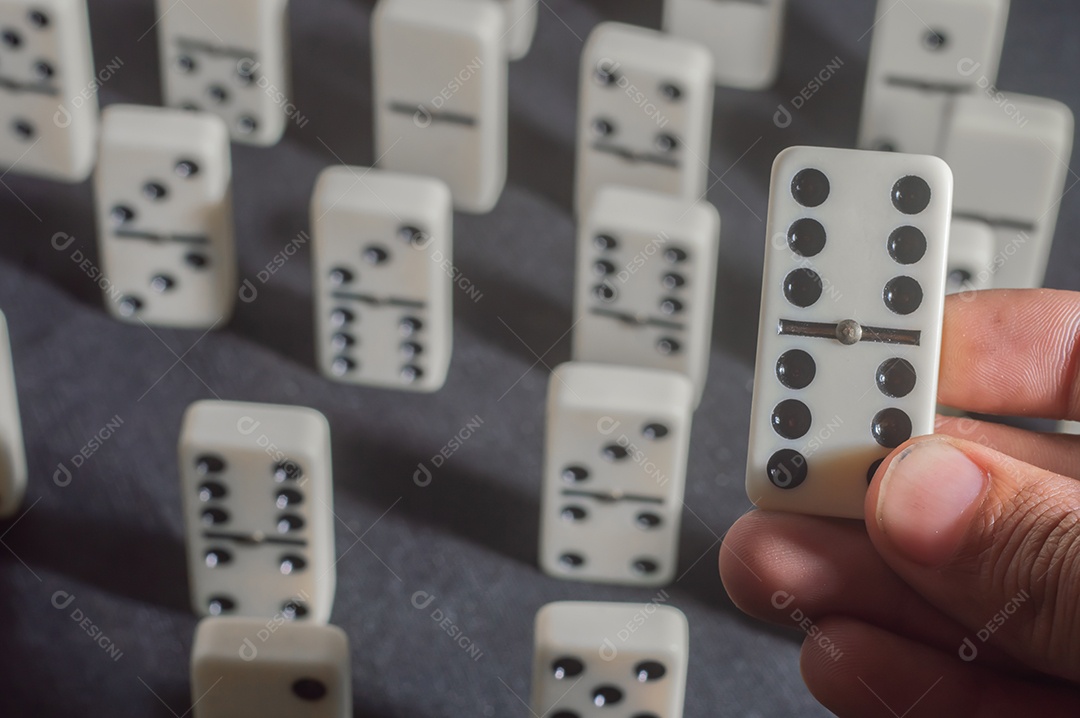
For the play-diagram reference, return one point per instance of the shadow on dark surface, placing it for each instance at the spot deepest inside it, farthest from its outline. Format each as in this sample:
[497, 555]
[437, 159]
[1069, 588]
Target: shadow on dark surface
[699, 550]
[451, 497]
[154, 566]
[55, 246]
[646, 14]
[133, 45]
[544, 333]
[262, 321]
[554, 177]
[171, 700]
[21, 697]
[827, 117]
[832, 112]
[735, 319]
[336, 108]
[459, 500]
[266, 305]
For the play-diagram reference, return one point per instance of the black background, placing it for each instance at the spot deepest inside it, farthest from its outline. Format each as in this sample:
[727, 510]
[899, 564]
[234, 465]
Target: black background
[113, 537]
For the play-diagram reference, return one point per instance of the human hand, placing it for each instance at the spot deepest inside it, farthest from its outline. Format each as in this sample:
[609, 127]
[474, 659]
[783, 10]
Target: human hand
[960, 596]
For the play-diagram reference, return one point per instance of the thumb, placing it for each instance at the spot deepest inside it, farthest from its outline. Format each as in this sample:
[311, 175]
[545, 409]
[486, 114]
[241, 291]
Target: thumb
[989, 540]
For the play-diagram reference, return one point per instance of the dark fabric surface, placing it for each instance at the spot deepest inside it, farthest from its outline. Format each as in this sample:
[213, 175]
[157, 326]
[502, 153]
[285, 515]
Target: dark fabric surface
[112, 537]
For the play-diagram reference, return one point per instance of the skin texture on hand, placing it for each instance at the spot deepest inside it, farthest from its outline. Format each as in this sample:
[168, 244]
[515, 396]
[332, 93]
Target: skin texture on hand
[960, 595]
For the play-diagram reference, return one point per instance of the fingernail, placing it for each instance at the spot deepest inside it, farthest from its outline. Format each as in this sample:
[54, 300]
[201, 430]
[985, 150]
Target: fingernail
[926, 501]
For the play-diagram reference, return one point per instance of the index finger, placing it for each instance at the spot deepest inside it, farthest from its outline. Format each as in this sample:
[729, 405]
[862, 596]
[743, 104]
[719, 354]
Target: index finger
[1012, 352]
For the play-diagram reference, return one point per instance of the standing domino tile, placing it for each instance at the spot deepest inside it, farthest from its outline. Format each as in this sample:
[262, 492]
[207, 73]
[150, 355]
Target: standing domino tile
[440, 94]
[645, 113]
[924, 55]
[48, 127]
[164, 207]
[646, 283]
[384, 297]
[851, 314]
[614, 473]
[1010, 172]
[971, 256]
[231, 59]
[242, 669]
[12, 449]
[586, 666]
[521, 17]
[258, 504]
[744, 36]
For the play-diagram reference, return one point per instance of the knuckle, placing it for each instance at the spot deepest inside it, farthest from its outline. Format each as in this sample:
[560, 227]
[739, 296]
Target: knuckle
[1036, 554]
